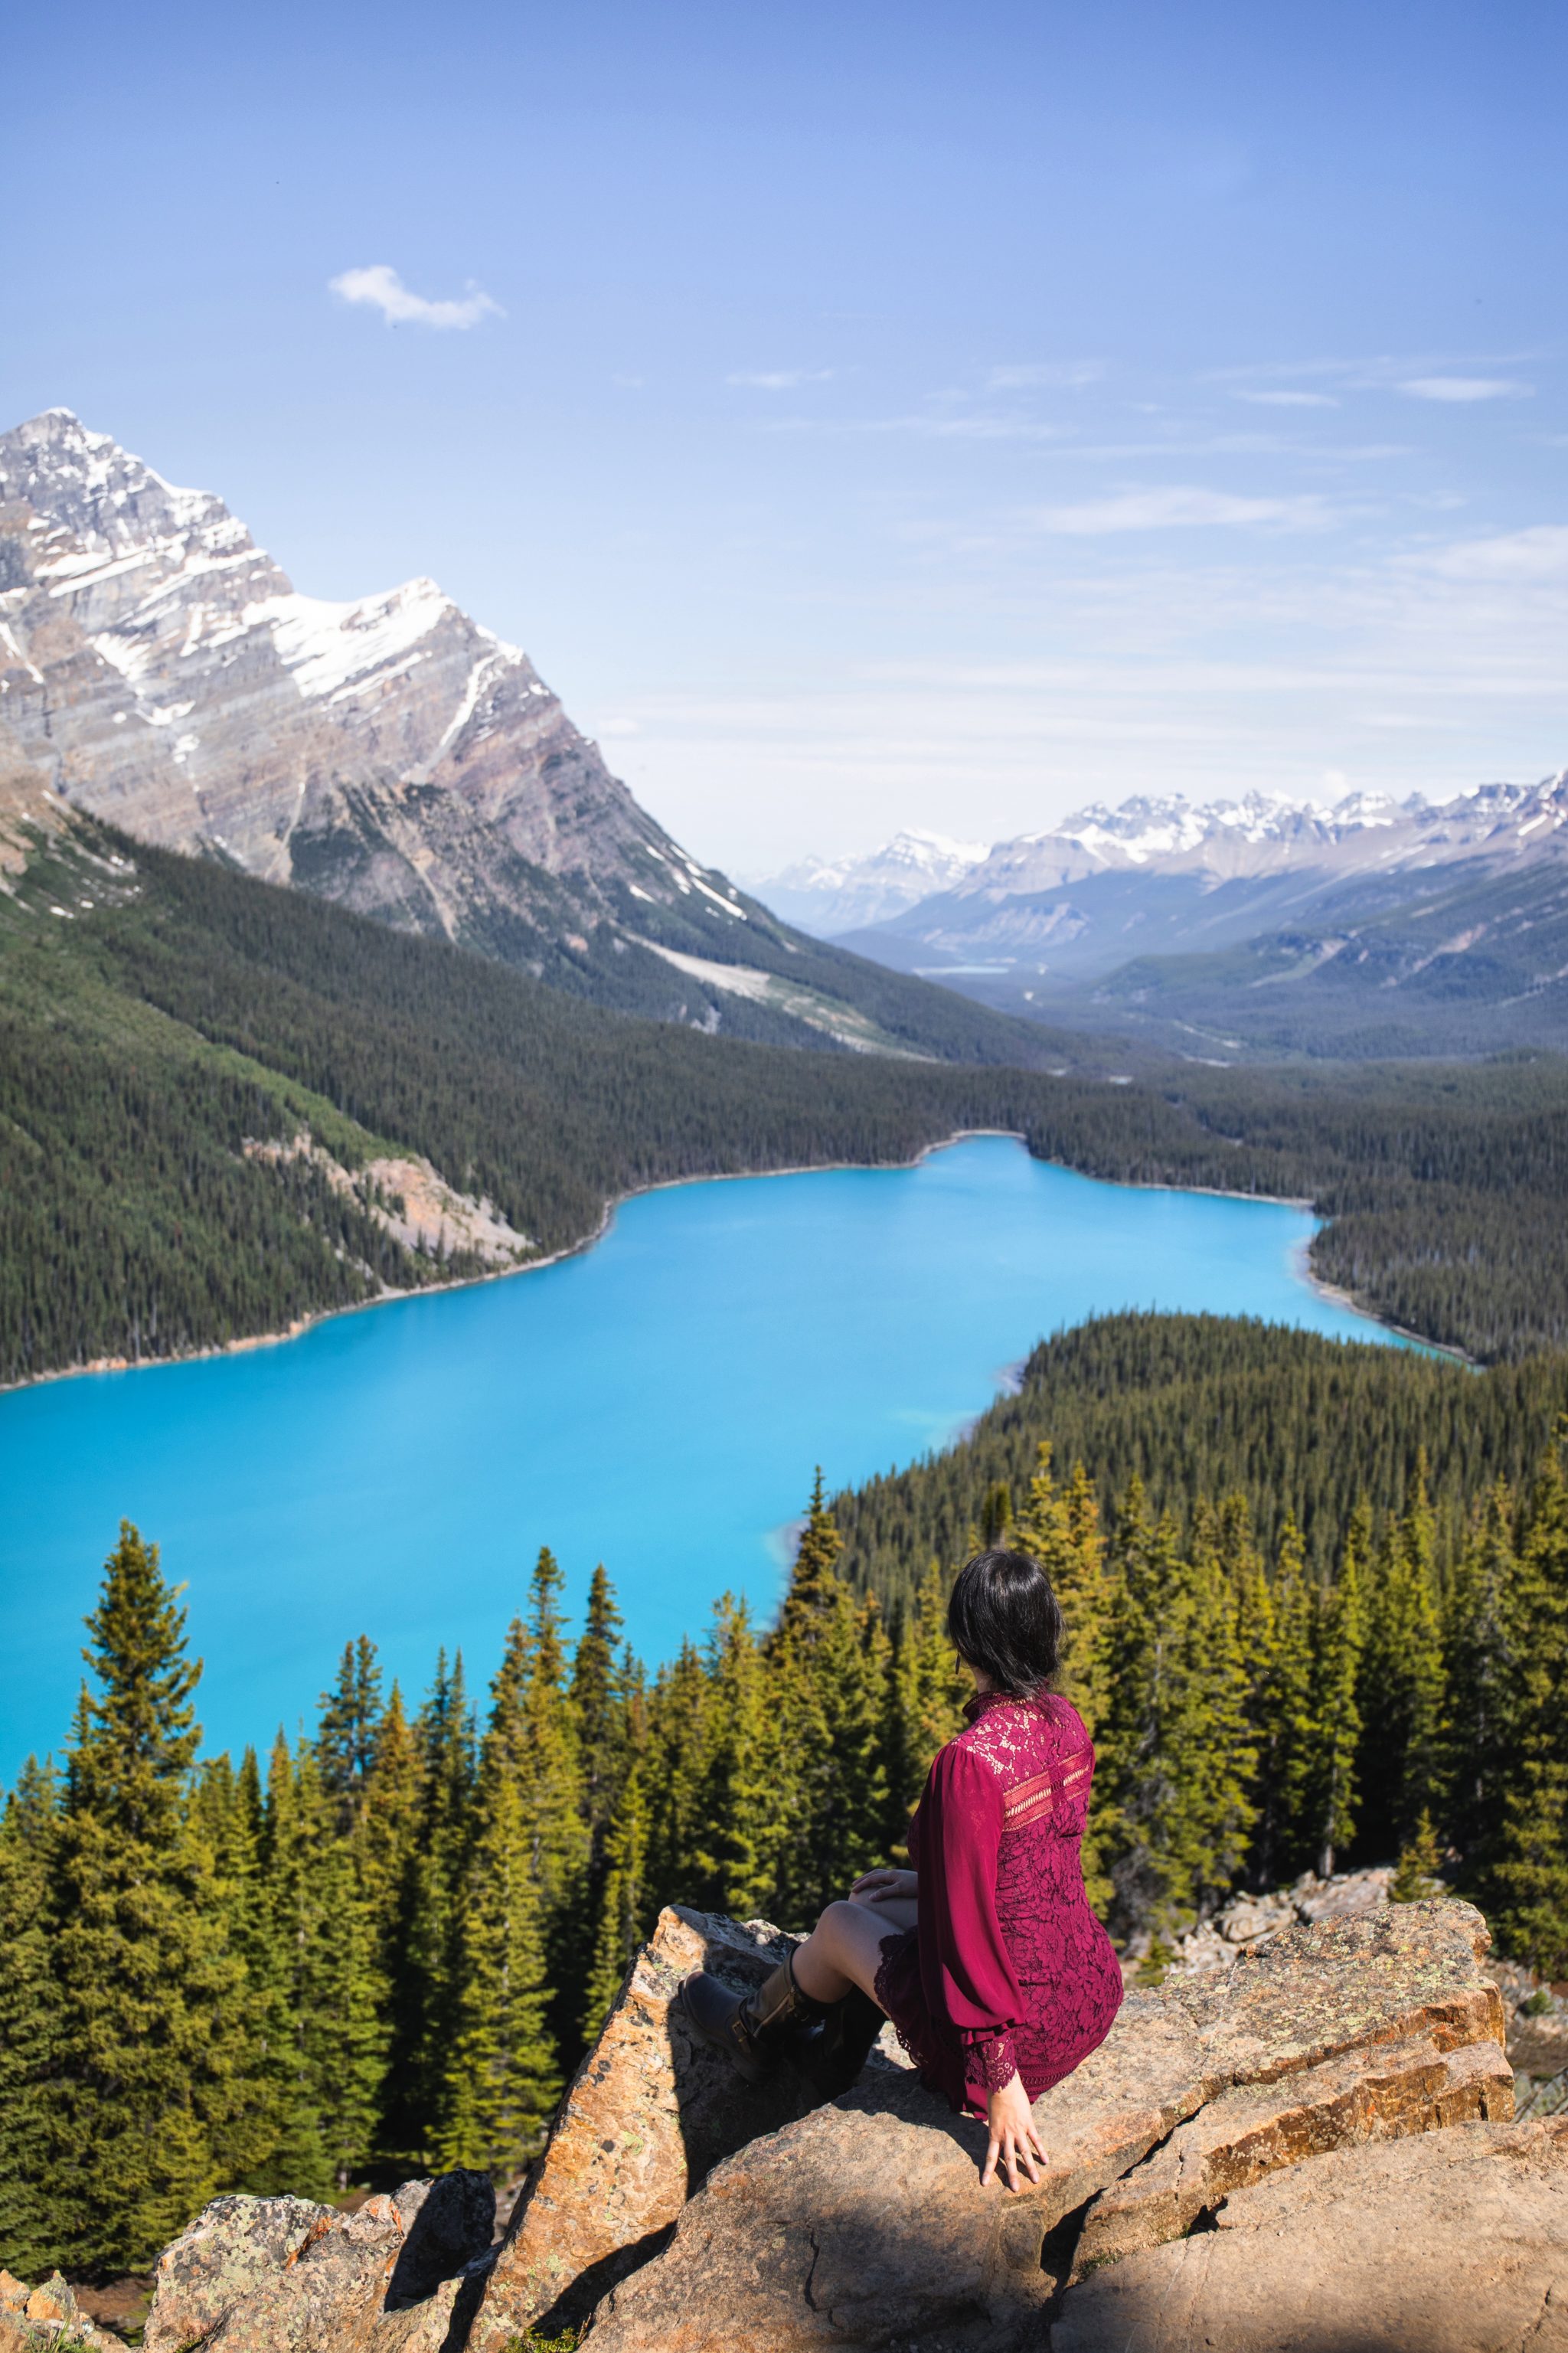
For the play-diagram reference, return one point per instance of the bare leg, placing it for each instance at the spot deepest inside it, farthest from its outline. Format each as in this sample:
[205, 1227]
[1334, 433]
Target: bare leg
[845, 1949]
[899, 1914]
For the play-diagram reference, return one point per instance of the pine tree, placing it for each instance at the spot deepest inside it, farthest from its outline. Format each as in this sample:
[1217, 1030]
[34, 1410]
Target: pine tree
[1329, 1794]
[1481, 1675]
[1284, 1724]
[599, 1708]
[827, 1665]
[1531, 1874]
[677, 1743]
[156, 2101]
[424, 1996]
[1400, 1690]
[1416, 1875]
[551, 1766]
[346, 1735]
[1175, 1755]
[930, 1687]
[621, 1900]
[741, 1825]
[814, 1571]
[502, 2077]
[848, 1799]
[29, 2019]
[1059, 1527]
[296, 2162]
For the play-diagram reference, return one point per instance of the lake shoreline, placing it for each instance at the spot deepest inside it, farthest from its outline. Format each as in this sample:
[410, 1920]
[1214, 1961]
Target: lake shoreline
[390, 1297]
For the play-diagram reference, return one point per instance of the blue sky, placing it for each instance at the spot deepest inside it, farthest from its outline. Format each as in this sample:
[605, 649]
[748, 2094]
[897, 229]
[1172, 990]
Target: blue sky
[864, 415]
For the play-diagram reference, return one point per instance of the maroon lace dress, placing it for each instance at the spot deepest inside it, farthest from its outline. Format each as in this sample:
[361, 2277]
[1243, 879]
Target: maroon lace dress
[1007, 1966]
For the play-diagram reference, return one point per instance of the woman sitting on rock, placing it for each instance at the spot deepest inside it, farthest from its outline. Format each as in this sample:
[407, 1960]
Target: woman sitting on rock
[996, 1975]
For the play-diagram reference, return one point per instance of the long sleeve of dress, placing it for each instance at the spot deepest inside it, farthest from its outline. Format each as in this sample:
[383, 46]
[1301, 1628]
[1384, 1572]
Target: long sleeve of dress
[965, 1966]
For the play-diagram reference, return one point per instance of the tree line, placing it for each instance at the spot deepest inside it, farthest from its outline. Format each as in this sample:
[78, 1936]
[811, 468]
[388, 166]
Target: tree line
[384, 1946]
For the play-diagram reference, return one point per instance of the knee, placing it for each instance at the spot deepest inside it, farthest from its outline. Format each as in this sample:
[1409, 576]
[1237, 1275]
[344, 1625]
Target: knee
[835, 1918]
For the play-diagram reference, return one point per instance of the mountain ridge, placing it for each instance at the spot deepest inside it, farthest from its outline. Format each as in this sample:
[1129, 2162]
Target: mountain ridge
[160, 672]
[1259, 836]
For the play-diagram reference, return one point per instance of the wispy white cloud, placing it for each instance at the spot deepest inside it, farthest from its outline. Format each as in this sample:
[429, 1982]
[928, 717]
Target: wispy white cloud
[929, 426]
[1044, 375]
[1466, 388]
[779, 379]
[1539, 553]
[380, 287]
[1284, 399]
[1179, 507]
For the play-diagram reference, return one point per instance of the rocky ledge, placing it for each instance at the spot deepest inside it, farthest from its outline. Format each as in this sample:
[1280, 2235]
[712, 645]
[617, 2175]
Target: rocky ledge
[1231, 2168]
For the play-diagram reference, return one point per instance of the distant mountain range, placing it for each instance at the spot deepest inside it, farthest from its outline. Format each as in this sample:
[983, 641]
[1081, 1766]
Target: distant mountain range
[845, 894]
[1364, 926]
[157, 670]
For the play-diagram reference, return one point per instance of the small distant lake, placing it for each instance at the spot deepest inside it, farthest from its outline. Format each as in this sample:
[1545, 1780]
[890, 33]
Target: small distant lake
[657, 1403]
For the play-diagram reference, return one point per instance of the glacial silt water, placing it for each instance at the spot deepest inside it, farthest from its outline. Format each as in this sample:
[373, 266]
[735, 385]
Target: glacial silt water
[656, 1403]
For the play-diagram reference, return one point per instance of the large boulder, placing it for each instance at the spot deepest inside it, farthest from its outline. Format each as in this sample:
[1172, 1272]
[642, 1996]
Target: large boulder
[401, 2274]
[864, 2224]
[1453, 2242]
[649, 2113]
[1254, 2129]
[231, 2247]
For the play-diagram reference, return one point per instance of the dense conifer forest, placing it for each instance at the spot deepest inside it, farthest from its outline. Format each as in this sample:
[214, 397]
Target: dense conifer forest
[1210, 1405]
[171, 1012]
[383, 1944]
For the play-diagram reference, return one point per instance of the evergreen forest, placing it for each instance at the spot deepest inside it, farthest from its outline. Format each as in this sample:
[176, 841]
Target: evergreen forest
[162, 1017]
[384, 1946]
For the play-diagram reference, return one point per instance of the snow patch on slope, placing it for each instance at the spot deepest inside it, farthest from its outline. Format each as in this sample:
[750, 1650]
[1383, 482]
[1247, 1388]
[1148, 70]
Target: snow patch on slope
[325, 647]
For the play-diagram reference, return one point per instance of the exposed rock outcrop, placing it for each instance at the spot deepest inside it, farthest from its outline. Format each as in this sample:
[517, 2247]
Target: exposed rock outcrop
[1454, 2243]
[232, 2246]
[276, 2276]
[1243, 2137]
[1254, 2129]
[864, 2224]
[648, 2114]
[37, 2319]
[1253, 1919]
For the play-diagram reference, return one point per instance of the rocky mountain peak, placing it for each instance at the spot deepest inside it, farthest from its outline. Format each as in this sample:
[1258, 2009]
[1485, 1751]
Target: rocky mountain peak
[158, 668]
[837, 894]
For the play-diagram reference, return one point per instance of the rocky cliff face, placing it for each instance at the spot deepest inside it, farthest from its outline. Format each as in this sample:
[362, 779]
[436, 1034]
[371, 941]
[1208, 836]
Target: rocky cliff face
[158, 669]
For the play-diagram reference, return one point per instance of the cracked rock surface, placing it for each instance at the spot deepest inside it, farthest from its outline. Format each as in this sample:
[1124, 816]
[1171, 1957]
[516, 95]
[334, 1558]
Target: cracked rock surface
[864, 2224]
[1456, 2242]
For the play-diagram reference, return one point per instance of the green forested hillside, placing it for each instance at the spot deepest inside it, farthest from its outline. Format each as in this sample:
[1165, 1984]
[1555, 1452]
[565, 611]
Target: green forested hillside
[182, 1009]
[1195, 1405]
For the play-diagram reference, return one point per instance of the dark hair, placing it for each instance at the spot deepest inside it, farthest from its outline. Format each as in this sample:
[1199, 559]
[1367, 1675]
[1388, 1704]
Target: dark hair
[1004, 1619]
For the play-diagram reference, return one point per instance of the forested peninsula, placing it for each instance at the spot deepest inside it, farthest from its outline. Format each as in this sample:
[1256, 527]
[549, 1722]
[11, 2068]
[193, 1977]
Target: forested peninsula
[200, 1075]
[382, 1944]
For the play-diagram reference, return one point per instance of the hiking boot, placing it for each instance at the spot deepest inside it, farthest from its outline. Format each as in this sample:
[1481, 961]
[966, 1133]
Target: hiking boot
[750, 2029]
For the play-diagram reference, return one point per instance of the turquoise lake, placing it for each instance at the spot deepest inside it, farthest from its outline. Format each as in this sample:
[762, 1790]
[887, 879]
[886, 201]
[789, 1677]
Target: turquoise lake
[656, 1403]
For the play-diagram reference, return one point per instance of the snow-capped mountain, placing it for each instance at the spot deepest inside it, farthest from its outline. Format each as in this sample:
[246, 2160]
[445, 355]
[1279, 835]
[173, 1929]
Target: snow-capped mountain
[840, 896]
[1161, 877]
[157, 669]
[1266, 834]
